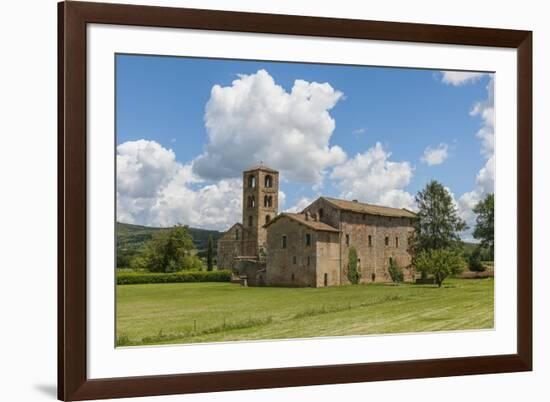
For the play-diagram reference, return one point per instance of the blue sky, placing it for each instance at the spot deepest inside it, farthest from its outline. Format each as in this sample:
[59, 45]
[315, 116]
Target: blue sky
[407, 112]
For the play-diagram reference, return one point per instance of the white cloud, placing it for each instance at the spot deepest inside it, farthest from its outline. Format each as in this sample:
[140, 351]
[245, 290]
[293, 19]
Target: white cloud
[435, 156]
[256, 120]
[154, 189]
[300, 205]
[373, 177]
[485, 179]
[457, 78]
[359, 131]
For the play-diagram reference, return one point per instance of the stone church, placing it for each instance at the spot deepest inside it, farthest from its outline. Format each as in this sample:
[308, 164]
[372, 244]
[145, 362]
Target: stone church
[311, 248]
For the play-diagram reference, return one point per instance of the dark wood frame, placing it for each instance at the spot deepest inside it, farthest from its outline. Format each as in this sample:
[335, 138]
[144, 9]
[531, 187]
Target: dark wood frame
[73, 383]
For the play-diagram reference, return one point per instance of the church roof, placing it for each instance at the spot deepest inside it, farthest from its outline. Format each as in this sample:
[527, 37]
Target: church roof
[371, 209]
[301, 218]
[261, 166]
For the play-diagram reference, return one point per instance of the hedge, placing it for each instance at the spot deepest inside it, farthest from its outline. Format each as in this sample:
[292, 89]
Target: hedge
[134, 278]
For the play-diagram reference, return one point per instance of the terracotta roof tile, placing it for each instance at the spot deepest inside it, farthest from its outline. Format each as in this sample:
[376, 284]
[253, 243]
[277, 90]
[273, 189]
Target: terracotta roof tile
[301, 218]
[361, 207]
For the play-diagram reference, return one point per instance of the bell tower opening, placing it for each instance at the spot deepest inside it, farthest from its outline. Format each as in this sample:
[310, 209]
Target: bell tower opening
[260, 206]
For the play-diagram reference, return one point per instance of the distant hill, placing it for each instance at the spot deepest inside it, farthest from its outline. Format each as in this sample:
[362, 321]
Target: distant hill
[130, 239]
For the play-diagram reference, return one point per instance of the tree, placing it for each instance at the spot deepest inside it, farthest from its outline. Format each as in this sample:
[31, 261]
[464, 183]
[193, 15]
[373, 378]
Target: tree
[474, 261]
[168, 251]
[440, 263]
[395, 271]
[353, 273]
[438, 224]
[485, 223]
[210, 254]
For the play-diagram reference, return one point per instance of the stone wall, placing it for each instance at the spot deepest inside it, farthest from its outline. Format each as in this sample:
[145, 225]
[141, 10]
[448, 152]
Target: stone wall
[328, 259]
[374, 257]
[229, 247]
[256, 216]
[294, 265]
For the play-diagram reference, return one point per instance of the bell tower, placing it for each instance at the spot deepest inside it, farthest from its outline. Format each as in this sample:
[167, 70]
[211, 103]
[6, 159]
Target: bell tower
[260, 205]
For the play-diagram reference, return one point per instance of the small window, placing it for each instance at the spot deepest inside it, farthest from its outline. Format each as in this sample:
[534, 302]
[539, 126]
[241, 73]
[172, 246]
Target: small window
[370, 241]
[292, 277]
[347, 240]
[294, 260]
[237, 234]
[321, 213]
[308, 239]
[250, 221]
[396, 241]
[267, 219]
[391, 261]
[251, 201]
[268, 181]
[364, 216]
[284, 241]
[387, 241]
[411, 221]
[268, 201]
[251, 181]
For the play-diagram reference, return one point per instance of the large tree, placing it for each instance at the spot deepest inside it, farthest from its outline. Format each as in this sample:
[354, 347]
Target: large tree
[438, 224]
[485, 222]
[169, 250]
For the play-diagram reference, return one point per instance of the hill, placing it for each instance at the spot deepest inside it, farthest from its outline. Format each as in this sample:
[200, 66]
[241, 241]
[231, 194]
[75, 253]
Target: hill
[130, 239]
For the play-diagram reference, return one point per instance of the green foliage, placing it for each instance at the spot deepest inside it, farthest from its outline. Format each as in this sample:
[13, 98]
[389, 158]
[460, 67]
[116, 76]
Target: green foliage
[474, 261]
[134, 278]
[131, 240]
[396, 273]
[210, 254]
[169, 251]
[353, 273]
[439, 263]
[438, 225]
[485, 223]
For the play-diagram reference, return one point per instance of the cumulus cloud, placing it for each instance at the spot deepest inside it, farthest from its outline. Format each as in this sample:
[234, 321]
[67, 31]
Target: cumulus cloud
[435, 156]
[254, 119]
[372, 177]
[457, 78]
[485, 179]
[154, 189]
[300, 205]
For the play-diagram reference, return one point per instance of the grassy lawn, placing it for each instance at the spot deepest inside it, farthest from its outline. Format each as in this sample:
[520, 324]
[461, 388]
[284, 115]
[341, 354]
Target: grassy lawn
[214, 312]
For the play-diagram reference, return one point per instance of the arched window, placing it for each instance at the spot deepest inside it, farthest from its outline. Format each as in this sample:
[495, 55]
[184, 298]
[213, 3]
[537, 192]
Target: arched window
[250, 221]
[237, 234]
[268, 201]
[251, 201]
[251, 181]
[320, 213]
[268, 181]
[267, 219]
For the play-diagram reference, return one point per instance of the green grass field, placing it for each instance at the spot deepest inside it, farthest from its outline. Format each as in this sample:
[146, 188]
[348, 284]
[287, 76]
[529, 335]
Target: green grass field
[215, 312]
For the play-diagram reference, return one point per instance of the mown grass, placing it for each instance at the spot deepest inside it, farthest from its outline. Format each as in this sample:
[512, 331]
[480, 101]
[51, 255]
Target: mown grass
[213, 312]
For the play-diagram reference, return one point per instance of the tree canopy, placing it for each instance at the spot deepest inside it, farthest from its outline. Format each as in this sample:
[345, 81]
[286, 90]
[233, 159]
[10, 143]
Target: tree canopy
[440, 263]
[169, 251]
[438, 225]
[485, 222]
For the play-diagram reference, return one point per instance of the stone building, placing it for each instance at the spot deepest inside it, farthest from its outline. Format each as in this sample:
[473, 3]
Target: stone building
[311, 248]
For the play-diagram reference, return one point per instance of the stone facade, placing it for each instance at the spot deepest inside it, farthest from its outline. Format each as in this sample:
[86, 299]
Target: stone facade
[300, 254]
[260, 204]
[312, 248]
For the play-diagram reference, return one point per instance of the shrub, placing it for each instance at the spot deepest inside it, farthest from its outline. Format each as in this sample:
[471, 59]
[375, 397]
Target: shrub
[353, 274]
[474, 261]
[396, 273]
[134, 278]
[439, 263]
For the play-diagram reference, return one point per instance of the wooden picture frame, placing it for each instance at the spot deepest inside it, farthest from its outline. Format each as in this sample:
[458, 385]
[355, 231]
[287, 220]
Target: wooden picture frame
[73, 382]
